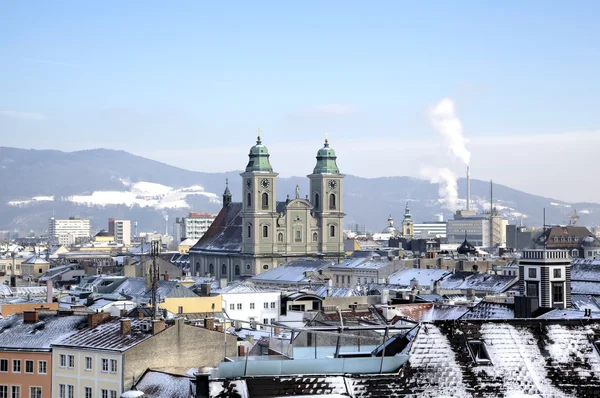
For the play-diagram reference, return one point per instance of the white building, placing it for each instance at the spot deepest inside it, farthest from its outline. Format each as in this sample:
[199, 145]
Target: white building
[546, 274]
[122, 232]
[430, 229]
[66, 232]
[192, 227]
[477, 230]
[251, 305]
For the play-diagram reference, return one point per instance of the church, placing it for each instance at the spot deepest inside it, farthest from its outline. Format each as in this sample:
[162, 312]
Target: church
[259, 233]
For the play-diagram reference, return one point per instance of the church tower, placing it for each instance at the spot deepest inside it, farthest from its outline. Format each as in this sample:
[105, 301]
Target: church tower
[326, 198]
[226, 194]
[259, 203]
[407, 223]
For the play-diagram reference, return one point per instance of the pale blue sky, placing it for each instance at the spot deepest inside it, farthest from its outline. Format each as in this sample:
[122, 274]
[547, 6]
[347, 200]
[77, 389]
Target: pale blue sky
[168, 80]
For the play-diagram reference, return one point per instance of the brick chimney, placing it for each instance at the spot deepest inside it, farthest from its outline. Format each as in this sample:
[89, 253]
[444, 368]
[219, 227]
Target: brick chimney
[31, 316]
[158, 325]
[140, 314]
[125, 325]
[166, 276]
[97, 318]
[209, 323]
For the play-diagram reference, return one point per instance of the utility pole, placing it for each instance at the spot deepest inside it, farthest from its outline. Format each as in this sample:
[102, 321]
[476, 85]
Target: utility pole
[154, 276]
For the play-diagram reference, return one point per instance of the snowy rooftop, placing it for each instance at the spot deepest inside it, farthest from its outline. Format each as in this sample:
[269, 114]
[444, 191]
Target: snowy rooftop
[424, 277]
[156, 384]
[291, 273]
[51, 328]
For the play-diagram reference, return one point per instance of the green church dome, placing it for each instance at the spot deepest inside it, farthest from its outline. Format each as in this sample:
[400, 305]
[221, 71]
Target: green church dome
[326, 163]
[259, 158]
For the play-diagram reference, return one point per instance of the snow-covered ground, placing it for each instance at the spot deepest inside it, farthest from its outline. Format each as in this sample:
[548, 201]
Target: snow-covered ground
[143, 194]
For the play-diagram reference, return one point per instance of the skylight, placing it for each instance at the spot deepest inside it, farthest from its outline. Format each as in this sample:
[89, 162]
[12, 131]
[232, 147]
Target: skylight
[478, 352]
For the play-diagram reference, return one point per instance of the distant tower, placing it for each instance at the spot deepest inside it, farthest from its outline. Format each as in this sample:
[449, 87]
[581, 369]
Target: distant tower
[135, 229]
[407, 223]
[226, 194]
[546, 275]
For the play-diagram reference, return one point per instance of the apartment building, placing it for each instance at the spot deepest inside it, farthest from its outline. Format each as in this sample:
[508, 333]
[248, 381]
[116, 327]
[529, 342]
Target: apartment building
[121, 230]
[66, 232]
[193, 226]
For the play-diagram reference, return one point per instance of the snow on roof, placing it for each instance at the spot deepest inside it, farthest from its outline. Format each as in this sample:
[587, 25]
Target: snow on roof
[108, 336]
[157, 384]
[585, 287]
[51, 329]
[489, 282]
[485, 310]
[560, 313]
[244, 288]
[583, 302]
[292, 272]
[424, 277]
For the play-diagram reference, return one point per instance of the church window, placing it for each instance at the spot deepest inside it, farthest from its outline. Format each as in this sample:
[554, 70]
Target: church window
[211, 269]
[249, 199]
[265, 201]
[265, 231]
[280, 237]
[332, 201]
[223, 269]
[248, 267]
[315, 237]
[332, 231]
[237, 269]
[198, 266]
[266, 266]
[249, 228]
[317, 201]
[298, 236]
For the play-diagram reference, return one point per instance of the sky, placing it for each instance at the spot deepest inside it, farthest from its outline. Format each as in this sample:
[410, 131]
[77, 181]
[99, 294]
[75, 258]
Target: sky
[188, 83]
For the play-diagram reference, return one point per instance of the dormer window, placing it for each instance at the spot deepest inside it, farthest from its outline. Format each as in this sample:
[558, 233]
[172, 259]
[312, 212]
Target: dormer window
[478, 352]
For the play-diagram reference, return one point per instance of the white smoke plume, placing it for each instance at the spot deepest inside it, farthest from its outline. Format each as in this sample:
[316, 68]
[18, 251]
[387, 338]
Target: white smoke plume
[444, 120]
[448, 188]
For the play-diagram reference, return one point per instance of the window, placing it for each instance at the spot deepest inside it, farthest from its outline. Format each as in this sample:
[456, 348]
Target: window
[16, 366]
[532, 289]
[239, 306]
[62, 391]
[3, 365]
[266, 321]
[223, 269]
[88, 392]
[337, 279]
[557, 273]
[272, 304]
[315, 237]
[104, 393]
[251, 306]
[557, 293]
[63, 361]
[113, 393]
[36, 392]
[248, 267]
[28, 366]
[180, 310]
[343, 278]
[16, 391]
[3, 391]
[272, 321]
[211, 269]
[232, 307]
[266, 266]
[237, 269]
[249, 229]
[316, 201]
[42, 367]
[332, 201]
[280, 237]
[105, 365]
[266, 305]
[298, 236]
[249, 199]
[71, 391]
[88, 363]
[479, 353]
[265, 201]
[532, 273]
[71, 361]
[265, 231]
[575, 253]
[332, 231]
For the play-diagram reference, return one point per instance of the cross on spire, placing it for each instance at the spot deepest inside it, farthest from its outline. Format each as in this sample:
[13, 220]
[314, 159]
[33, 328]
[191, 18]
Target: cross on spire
[258, 131]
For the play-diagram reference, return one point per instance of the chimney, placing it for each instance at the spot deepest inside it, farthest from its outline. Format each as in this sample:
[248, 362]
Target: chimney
[158, 325]
[49, 291]
[125, 325]
[140, 314]
[209, 323]
[147, 277]
[329, 287]
[468, 189]
[166, 276]
[251, 339]
[31, 316]
[241, 352]
[97, 318]
[223, 283]
[205, 289]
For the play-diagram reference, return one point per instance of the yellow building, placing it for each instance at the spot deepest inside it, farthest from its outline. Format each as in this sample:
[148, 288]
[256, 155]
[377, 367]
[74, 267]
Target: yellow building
[34, 267]
[104, 236]
[185, 245]
[187, 305]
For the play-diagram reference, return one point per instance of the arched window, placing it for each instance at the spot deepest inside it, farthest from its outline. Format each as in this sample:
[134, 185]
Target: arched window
[211, 269]
[249, 199]
[317, 201]
[315, 237]
[265, 201]
[237, 269]
[197, 266]
[280, 237]
[575, 253]
[298, 236]
[332, 201]
[249, 228]
[265, 231]
[332, 231]
[223, 269]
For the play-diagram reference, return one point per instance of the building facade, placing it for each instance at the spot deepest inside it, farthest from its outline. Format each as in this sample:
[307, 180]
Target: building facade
[546, 275]
[192, 227]
[480, 230]
[66, 232]
[261, 233]
[430, 229]
[122, 231]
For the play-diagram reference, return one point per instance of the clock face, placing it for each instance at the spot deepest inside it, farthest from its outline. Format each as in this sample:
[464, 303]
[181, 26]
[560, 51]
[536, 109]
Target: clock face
[332, 184]
[265, 183]
[249, 183]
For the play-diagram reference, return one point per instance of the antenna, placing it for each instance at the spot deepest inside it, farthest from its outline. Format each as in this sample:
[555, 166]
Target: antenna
[155, 249]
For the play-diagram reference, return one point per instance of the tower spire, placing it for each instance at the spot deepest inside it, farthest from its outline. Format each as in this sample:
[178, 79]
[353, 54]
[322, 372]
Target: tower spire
[226, 194]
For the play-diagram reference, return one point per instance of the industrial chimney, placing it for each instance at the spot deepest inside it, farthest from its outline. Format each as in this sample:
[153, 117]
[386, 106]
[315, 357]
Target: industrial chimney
[468, 189]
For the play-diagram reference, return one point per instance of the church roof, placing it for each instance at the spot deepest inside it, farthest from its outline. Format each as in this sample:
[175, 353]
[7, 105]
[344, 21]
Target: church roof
[326, 161]
[225, 233]
[259, 158]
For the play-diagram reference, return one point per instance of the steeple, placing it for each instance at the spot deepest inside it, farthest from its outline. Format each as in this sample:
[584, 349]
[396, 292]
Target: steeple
[326, 160]
[226, 194]
[259, 157]
[407, 216]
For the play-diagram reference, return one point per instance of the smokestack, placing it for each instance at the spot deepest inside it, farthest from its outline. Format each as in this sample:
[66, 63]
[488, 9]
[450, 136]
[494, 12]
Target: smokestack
[468, 189]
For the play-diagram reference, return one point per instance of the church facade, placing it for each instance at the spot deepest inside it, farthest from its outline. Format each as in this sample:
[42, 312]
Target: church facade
[260, 233]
